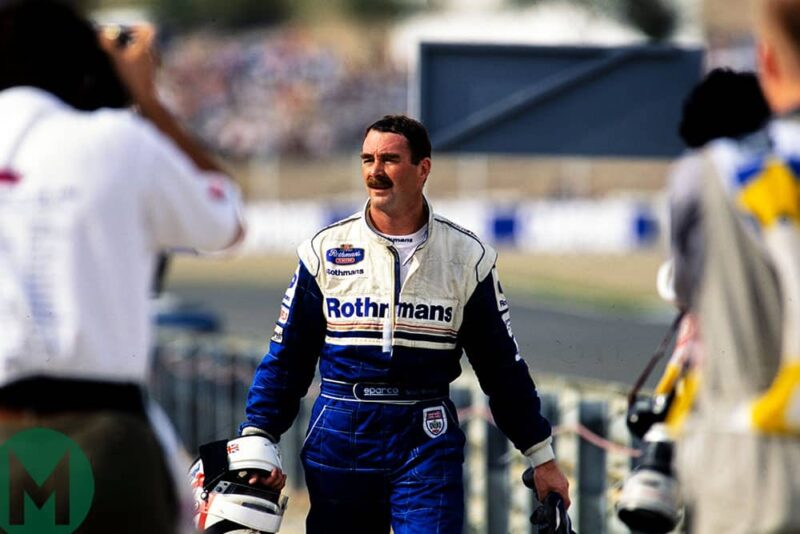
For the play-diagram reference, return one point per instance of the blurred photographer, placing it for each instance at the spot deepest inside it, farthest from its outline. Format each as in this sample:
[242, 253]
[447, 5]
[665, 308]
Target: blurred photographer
[740, 445]
[740, 449]
[89, 193]
[725, 114]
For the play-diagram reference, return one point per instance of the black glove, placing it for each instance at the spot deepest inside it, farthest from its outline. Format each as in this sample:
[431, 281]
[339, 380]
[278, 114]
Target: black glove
[551, 516]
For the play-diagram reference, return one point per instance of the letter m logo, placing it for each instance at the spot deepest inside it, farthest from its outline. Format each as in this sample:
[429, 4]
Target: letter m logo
[21, 483]
[46, 483]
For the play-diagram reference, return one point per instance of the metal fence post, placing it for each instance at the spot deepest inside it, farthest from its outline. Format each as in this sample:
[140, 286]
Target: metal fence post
[592, 469]
[244, 370]
[204, 396]
[476, 497]
[462, 399]
[184, 395]
[497, 487]
[223, 396]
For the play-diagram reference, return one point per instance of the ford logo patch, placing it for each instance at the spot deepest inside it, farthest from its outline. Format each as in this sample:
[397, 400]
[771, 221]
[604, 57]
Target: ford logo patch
[344, 255]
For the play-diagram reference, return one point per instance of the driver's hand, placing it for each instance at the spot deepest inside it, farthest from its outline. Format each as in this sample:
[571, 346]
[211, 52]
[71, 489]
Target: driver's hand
[548, 478]
[275, 480]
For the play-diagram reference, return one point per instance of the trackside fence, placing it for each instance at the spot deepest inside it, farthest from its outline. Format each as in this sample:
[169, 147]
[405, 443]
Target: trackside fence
[201, 380]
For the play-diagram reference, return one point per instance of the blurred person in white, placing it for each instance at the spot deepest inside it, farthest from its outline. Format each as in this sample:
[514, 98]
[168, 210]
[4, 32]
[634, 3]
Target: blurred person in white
[740, 446]
[90, 192]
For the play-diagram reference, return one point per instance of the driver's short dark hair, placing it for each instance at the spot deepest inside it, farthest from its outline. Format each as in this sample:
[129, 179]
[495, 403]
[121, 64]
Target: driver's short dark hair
[48, 45]
[413, 130]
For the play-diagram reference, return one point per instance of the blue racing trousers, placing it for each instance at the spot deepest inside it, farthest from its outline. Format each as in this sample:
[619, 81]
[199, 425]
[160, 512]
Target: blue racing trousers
[371, 465]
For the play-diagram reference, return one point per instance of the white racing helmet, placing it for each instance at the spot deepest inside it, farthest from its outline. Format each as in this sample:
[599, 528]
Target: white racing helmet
[224, 501]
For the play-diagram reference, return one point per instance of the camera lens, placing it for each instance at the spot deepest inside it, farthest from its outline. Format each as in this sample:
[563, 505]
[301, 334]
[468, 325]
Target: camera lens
[121, 35]
[650, 521]
[649, 500]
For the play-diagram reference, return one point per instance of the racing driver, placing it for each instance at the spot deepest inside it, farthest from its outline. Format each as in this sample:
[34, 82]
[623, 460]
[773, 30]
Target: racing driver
[386, 300]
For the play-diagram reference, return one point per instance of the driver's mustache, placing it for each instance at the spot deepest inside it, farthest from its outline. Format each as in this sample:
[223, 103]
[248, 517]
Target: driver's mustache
[379, 181]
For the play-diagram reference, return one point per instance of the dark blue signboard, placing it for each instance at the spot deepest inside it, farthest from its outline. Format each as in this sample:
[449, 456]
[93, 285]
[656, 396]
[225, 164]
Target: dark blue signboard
[586, 101]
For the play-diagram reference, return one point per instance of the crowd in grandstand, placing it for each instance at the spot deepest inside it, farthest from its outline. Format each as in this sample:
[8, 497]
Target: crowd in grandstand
[278, 92]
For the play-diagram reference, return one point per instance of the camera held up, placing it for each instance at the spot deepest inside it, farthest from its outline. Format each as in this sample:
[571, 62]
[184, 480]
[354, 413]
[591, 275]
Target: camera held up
[649, 501]
[121, 34]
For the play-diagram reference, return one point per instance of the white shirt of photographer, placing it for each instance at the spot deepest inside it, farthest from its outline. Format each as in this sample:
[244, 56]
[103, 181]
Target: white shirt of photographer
[86, 202]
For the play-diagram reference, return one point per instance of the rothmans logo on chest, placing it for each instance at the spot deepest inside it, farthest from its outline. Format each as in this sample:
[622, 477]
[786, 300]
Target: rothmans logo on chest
[345, 254]
[366, 307]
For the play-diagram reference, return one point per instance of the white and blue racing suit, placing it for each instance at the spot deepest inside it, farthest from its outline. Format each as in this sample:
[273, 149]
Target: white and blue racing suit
[383, 445]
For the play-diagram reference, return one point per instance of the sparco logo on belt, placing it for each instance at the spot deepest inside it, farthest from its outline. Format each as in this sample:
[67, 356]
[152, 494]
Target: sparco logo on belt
[344, 255]
[381, 392]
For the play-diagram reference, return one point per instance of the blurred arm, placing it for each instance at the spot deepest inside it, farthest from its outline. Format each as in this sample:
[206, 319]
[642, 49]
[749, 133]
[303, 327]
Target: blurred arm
[136, 66]
[686, 230]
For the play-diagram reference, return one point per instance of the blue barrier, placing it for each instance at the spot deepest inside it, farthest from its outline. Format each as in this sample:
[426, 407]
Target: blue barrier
[579, 225]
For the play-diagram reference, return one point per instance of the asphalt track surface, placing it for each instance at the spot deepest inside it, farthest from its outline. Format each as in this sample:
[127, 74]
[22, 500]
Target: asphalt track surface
[555, 338]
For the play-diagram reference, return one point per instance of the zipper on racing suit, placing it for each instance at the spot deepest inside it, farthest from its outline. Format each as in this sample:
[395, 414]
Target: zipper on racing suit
[388, 333]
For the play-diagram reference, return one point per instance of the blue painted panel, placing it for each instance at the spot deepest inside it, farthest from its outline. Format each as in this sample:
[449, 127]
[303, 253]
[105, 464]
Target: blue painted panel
[615, 101]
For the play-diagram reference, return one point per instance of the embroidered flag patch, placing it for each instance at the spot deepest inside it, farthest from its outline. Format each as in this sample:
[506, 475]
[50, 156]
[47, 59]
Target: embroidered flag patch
[277, 334]
[284, 315]
[434, 421]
